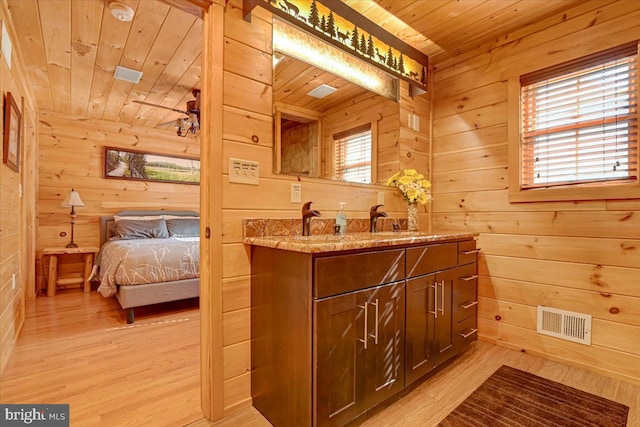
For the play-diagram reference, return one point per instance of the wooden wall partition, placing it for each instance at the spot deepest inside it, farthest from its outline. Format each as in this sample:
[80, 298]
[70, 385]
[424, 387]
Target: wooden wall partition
[579, 256]
[18, 210]
[71, 155]
[248, 134]
[211, 355]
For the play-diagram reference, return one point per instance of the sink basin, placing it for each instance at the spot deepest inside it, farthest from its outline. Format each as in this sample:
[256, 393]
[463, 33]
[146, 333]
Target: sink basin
[355, 237]
[399, 233]
[328, 238]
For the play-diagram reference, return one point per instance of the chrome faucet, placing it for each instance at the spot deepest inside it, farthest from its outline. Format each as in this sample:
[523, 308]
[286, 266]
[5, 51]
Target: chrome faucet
[307, 213]
[373, 218]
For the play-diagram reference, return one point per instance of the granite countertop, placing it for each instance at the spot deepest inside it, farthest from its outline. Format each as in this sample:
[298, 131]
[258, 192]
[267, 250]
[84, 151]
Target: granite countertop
[332, 243]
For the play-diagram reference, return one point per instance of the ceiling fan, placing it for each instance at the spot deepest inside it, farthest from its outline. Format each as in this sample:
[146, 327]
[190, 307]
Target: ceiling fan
[184, 125]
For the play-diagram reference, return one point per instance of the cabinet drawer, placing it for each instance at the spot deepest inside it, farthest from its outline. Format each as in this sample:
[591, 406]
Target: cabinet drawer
[467, 252]
[467, 278]
[465, 305]
[427, 259]
[465, 332]
[335, 275]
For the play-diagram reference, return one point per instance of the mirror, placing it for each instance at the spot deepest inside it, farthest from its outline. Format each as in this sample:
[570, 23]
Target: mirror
[326, 137]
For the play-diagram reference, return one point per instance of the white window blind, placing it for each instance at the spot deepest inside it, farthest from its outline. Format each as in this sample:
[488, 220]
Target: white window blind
[580, 121]
[352, 155]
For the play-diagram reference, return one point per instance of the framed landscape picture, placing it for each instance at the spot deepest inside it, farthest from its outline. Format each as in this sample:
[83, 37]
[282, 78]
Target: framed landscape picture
[11, 137]
[142, 166]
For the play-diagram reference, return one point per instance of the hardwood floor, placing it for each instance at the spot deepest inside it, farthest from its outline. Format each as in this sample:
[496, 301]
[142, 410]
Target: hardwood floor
[432, 400]
[77, 348]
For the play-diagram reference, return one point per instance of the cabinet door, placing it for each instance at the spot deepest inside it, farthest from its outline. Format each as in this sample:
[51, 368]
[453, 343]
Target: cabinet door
[385, 349]
[340, 358]
[444, 328]
[420, 357]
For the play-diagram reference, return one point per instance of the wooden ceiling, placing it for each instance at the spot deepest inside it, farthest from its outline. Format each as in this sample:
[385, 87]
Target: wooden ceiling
[71, 47]
[445, 28]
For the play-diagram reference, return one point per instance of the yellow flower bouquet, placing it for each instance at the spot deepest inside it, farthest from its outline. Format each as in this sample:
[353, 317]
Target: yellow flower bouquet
[413, 186]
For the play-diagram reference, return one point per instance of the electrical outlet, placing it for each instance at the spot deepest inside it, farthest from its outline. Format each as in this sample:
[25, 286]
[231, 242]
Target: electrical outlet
[13, 281]
[244, 171]
[381, 197]
[296, 193]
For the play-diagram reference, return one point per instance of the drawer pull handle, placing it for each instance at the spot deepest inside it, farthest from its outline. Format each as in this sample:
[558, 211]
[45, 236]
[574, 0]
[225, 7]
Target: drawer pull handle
[471, 277]
[365, 324]
[468, 334]
[473, 251]
[466, 305]
[375, 337]
[435, 300]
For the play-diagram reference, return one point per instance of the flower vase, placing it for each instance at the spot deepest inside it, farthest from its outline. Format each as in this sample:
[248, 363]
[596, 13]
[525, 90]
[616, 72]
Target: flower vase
[412, 216]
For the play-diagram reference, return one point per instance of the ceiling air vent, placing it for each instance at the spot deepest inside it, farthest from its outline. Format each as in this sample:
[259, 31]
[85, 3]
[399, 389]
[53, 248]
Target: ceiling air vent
[127, 74]
[322, 91]
[564, 324]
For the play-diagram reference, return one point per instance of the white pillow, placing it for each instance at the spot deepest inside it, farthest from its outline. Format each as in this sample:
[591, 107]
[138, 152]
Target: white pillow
[139, 218]
[179, 217]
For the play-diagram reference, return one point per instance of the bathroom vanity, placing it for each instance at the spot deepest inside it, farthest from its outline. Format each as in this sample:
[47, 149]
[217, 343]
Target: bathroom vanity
[340, 325]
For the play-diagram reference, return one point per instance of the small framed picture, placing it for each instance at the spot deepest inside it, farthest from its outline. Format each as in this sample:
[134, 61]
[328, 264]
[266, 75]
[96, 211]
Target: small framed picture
[12, 126]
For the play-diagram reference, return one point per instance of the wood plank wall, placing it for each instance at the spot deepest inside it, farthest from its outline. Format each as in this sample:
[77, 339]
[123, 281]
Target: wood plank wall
[248, 134]
[71, 156]
[578, 256]
[17, 203]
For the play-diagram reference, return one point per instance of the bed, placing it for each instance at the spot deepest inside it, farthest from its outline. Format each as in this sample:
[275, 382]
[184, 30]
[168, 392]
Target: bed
[149, 257]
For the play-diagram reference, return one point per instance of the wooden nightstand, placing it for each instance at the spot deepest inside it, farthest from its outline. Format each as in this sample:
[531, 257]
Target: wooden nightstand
[88, 252]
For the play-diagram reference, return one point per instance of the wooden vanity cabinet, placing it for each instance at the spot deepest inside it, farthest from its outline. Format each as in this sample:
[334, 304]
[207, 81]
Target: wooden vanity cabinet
[359, 352]
[335, 334]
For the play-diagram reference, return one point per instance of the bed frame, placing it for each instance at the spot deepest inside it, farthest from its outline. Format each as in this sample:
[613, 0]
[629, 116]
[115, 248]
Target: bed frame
[131, 297]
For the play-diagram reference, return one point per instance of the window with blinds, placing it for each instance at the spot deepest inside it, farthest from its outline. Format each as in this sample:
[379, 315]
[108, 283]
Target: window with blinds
[352, 155]
[580, 121]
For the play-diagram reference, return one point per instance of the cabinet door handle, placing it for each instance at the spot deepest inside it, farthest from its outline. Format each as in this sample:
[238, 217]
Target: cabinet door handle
[442, 298]
[468, 304]
[473, 251]
[435, 300]
[468, 334]
[366, 327]
[470, 277]
[375, 337]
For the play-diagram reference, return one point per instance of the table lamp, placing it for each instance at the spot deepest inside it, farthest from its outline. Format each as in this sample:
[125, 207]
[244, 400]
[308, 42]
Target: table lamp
[72, 200]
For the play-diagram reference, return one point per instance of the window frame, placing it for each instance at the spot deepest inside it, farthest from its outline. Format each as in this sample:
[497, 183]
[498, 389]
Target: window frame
[598, 190]
[360, 128]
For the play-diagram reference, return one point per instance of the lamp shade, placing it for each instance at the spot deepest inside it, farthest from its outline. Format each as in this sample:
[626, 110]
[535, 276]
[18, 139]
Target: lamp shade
[72, 199]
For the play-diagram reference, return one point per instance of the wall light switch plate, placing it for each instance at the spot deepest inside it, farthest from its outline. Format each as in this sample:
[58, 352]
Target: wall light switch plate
[381, 197]
[296, 193]
[244, 171]
[414, 122]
